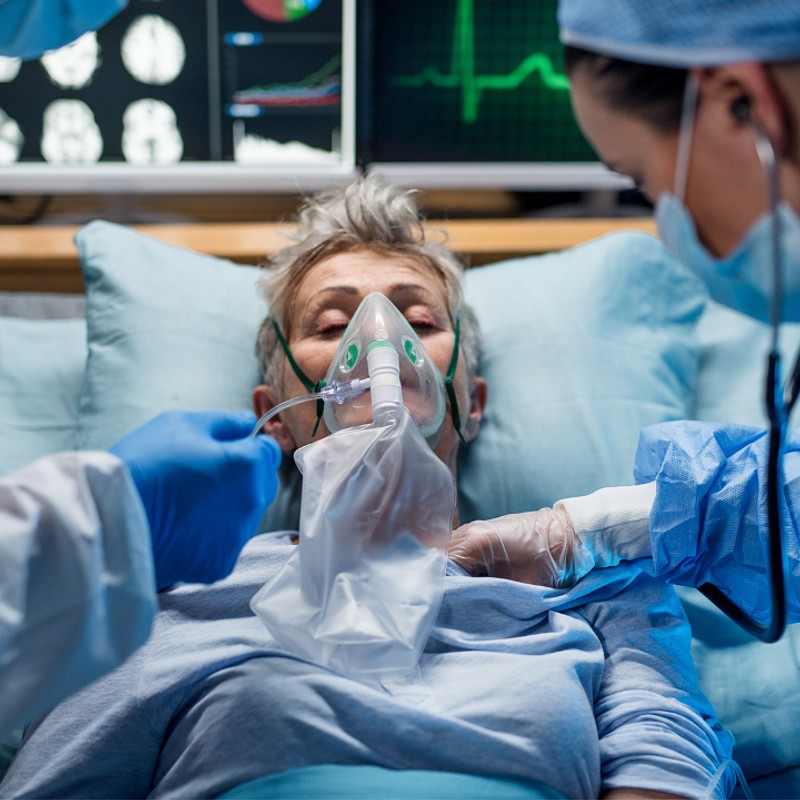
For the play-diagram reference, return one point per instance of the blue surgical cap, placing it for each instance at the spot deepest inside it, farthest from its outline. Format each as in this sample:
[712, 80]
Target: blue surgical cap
[684, 33]
[29, 28]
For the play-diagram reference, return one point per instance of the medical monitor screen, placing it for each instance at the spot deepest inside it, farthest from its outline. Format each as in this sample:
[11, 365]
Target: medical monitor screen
[250, 83]
[470, 82]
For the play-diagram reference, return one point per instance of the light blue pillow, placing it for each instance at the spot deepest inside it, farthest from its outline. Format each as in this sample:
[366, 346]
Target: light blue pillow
[733, 359]
[167, 327]
[583, 348]
[42, 364]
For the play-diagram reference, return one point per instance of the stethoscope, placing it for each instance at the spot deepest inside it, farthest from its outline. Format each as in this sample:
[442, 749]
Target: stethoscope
[779, 400]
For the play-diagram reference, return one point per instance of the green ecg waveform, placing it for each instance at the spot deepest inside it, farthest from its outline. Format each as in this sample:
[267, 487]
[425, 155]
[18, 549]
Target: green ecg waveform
[462, 69]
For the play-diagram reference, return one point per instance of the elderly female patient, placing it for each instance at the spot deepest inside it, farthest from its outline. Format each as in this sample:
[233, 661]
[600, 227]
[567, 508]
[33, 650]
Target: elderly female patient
[589, 690]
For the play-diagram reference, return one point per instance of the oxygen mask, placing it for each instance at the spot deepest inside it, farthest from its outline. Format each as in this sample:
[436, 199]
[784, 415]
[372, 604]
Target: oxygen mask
[376, 324]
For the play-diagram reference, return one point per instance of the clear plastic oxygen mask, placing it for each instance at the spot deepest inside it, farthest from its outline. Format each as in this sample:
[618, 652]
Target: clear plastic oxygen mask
[378, 327]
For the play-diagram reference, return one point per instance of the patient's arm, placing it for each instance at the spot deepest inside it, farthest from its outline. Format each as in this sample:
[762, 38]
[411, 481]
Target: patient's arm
[657, 730]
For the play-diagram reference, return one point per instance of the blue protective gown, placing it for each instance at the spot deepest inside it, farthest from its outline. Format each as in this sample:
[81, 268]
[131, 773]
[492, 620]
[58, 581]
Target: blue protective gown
[709, 520]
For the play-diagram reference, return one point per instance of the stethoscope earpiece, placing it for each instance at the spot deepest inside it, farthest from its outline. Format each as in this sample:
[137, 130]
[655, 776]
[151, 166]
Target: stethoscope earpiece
[740, 108]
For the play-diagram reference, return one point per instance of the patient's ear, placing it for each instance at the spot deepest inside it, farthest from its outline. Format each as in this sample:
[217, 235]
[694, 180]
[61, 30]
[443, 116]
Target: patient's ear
[265, 398]
[477, 403]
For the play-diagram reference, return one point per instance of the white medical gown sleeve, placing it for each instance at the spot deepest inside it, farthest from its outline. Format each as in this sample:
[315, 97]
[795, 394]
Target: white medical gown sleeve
[614, 523]
[77, 589]
[709, 519]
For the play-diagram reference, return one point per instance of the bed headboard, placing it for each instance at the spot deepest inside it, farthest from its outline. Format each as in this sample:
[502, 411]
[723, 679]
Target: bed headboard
[44, 258]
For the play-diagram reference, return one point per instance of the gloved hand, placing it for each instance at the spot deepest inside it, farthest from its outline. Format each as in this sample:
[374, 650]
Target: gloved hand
[537, 547]
[204, 486]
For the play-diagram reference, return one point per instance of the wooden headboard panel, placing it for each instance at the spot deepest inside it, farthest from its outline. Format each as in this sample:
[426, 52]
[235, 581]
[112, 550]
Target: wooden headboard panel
[44, 258]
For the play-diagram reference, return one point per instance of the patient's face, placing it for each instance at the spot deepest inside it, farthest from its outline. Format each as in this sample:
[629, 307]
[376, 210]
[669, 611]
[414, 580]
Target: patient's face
[324, 303]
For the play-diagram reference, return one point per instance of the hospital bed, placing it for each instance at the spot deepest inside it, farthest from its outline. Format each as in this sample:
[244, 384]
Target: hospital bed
[592, 332]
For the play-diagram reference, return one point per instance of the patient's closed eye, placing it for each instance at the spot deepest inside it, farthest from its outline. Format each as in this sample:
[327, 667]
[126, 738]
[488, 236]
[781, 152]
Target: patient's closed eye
[423, 326]
[423, 318]
[330, 329]
[330, 322]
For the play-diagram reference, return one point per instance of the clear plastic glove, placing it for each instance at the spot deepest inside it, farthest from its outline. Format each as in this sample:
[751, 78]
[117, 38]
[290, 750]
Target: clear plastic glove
[537, 547]
[204, 486]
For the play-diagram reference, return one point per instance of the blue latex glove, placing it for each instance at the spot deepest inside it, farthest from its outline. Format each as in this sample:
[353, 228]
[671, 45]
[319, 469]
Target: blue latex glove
[204, 486]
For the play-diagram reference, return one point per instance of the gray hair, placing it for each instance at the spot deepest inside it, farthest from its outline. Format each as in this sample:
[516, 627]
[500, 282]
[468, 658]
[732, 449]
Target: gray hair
[368, 214]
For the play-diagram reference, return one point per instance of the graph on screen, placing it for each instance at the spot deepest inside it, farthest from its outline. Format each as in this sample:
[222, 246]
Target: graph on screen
[463, 76]
[472, 80]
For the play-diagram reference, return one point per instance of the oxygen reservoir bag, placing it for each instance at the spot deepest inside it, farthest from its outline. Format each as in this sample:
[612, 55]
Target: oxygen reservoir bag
[361, 591]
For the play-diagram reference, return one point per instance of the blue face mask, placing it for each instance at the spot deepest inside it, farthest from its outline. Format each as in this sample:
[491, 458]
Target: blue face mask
[744, 279]
[29, 29]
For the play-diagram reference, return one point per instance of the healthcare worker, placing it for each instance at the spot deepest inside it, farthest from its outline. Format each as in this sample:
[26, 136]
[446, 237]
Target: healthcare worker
[86, 538]
[698, 101]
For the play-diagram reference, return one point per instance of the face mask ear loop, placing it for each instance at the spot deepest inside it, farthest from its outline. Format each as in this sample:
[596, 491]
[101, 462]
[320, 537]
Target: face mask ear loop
[765, 150]
[448, 383]
[304, 379]
[685, 136]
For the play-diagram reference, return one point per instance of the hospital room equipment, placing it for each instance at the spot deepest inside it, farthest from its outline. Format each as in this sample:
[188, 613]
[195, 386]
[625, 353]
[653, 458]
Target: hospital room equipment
[361, 591]
[601, 363]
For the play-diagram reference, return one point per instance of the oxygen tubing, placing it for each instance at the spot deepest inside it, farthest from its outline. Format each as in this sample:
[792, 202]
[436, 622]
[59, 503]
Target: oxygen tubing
[336, 392]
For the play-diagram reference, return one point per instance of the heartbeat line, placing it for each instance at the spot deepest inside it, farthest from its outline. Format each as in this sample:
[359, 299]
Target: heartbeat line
[462, 69]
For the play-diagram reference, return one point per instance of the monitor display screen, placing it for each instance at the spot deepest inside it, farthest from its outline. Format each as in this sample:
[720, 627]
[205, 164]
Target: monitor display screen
[216, 92]
[289, 95]
[473, 89]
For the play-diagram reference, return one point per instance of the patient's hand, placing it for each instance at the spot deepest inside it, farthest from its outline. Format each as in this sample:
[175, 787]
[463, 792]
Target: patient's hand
[537, 547]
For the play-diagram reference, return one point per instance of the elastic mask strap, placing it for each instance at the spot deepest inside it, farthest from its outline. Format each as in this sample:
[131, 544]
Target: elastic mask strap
[304, 379]
[769, 164]
[685, 136]
[448, 382]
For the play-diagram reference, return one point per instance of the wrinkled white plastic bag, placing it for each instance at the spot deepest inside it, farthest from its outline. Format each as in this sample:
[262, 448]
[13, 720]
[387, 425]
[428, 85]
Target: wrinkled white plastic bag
[361, 591]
